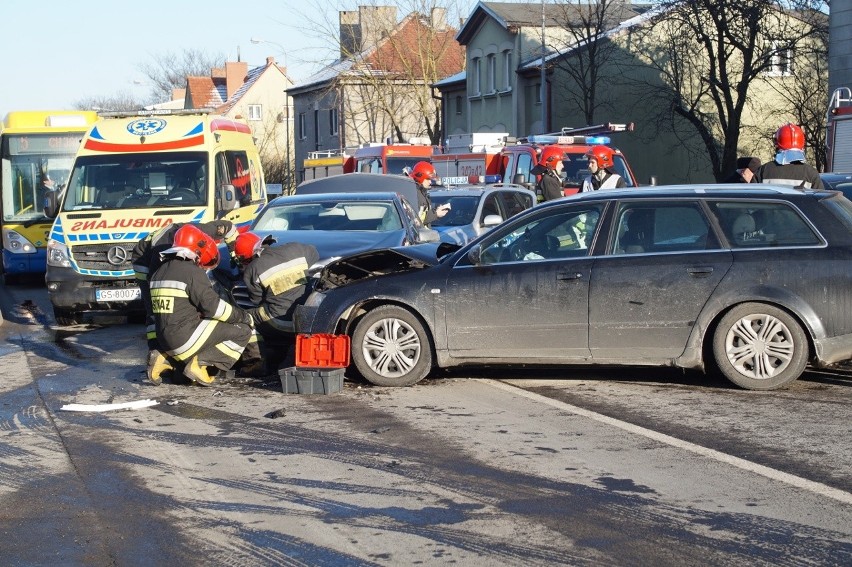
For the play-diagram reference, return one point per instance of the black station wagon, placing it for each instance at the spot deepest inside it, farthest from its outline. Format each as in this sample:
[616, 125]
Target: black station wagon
[755, 281]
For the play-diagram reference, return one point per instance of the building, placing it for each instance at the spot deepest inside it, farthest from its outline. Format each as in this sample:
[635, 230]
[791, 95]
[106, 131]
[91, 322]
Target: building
[378, 90]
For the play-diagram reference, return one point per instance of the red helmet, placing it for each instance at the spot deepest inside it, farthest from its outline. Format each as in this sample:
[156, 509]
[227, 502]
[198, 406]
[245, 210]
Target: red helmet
[603, 155]
[423, 170]
[203, 247]
[550, 156]
[246, 246]
[789, 137]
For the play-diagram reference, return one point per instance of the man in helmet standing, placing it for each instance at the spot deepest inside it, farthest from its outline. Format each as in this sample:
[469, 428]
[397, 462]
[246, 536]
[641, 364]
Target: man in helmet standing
[789, 167]
[146, 258]
[194, 325]
[276, 278]
[601, 162]
[550, 167]
[423, 173]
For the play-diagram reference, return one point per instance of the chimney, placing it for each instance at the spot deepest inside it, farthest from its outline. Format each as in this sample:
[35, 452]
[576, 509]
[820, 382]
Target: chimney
[270, 61]
[364, 29]
[235, 76]
[439, 19]
[178, 94]
[350, 34]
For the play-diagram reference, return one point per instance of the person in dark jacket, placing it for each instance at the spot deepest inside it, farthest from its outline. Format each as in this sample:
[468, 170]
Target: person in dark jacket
[550, 167]
[423, 173]
[194, 325]
[746, 168]
[146, 258]
[789, 167]
[276, 278]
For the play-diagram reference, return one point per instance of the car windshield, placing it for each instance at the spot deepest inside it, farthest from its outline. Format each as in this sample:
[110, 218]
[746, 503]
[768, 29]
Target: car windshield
[128, 181]
[372, 216]
[462, 208]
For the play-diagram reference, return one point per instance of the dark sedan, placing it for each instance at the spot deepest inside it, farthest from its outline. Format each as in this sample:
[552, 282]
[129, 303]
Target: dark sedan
[756, 282]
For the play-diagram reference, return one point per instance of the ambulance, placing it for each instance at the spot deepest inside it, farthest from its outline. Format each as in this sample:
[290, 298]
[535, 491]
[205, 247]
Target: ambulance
[134, 174]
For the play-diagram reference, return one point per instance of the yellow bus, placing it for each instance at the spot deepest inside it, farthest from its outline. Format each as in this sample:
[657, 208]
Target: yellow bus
[37, 148]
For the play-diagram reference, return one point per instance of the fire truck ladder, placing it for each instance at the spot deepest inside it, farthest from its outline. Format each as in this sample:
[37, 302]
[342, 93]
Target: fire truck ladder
[579, 131]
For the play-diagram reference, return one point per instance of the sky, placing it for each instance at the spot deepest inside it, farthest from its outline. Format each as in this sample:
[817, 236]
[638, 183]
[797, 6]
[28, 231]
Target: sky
[58, 52]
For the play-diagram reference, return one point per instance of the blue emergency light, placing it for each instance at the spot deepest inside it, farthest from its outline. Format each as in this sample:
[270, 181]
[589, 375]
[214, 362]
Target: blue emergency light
[598, 140]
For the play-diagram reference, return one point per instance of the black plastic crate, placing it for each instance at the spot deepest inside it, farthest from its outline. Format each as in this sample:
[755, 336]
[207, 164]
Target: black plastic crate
[311, 380]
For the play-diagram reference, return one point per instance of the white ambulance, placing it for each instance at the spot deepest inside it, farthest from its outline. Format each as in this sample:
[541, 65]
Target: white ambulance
[134, 174]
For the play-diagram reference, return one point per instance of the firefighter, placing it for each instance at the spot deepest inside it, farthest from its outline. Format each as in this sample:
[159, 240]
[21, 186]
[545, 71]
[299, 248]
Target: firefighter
[146, 259]
[601, 162]
[194, 325]
[276, 278]
[789, 167]
[423, 173]
[550, 166]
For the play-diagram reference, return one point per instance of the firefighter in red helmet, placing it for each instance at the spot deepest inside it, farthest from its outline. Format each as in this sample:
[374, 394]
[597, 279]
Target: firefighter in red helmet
[550, 166]
[196, 327]
[423, 173]
[789, 167]
[601, 168]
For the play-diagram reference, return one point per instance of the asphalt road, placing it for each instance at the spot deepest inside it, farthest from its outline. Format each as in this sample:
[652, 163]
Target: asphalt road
[518, 467]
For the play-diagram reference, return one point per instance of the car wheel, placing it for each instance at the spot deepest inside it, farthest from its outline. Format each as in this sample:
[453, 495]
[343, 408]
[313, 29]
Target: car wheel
[760, 347]
[390, 347]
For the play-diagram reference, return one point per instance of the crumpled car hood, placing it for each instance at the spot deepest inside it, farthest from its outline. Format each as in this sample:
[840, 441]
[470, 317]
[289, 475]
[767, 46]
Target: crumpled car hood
[377, 263]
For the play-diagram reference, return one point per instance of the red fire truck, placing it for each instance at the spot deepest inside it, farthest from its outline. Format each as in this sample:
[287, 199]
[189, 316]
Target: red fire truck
[839, 138]
[387, 158]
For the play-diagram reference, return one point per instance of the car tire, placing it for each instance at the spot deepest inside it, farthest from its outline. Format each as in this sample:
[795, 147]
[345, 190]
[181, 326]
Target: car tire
[760, 347]
[390, 347]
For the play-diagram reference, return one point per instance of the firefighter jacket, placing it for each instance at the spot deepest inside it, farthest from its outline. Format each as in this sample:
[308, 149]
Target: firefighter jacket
[550, 185]
[277, 280]
[608, 180]
[186, 308]
[797, 174]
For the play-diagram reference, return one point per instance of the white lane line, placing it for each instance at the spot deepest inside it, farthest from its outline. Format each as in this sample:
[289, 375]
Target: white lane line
[792, 480]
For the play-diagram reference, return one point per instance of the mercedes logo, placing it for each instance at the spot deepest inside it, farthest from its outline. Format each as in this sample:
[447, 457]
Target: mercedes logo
[117, 256]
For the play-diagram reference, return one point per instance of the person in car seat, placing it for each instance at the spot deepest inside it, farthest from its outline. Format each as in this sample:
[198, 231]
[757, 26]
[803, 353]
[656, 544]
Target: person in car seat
[603, 176]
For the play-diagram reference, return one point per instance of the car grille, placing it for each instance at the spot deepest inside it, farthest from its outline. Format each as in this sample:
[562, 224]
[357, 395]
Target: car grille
[94, 256]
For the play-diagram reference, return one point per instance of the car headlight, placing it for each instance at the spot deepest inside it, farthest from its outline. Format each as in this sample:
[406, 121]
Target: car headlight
[16, 244]
[314, 299]
[57, 254]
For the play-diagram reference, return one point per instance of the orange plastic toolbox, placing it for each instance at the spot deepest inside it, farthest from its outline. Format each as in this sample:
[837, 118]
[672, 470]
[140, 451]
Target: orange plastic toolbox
[322, 351]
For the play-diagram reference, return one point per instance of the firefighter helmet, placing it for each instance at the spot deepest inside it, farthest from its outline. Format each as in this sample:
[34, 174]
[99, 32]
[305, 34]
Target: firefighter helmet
[601, 154]
[789, 137]
[191, 242]
[423, 170]
[550, 156]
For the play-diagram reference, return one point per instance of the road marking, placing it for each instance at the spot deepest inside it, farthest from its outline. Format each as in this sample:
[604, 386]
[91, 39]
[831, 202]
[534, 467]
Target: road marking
[774, 474]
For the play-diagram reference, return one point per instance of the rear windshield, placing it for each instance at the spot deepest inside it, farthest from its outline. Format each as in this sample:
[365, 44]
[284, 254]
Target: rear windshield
[841, 207]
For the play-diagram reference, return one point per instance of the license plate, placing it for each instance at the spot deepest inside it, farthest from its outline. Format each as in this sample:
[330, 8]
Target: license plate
[120, 294]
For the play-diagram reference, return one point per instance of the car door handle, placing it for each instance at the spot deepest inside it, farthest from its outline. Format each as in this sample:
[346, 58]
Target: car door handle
[563, 276]
[700, 271]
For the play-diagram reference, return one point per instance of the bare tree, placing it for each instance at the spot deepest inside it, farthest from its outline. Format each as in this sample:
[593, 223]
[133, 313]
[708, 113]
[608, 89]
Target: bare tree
[711, 53]
[585, 54]
[385, 92]
[168, 71]
[122, 101]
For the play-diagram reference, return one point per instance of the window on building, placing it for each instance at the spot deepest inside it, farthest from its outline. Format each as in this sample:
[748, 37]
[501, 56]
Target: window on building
[303, 127]
[459, 107]
[780, 59]
[492, 73]
[476, 89]
[332, 122]
[255, 112]
[507, 70]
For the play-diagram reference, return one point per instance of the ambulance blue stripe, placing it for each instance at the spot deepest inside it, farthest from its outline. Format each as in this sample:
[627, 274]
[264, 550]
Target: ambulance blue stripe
[95, 134]
[197, 130]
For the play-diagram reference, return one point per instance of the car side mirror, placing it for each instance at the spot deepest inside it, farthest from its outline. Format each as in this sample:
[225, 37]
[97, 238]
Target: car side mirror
[227, 198]
[51, 204]
[428, 235]
[491, 221]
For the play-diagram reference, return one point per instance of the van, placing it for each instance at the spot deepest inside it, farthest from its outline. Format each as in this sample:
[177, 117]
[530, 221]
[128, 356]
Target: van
[134, 174]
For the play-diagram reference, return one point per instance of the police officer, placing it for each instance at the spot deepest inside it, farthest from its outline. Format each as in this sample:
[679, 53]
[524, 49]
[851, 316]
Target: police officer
[789, 167]
[146, 258]
[193, 324]
[276, 279]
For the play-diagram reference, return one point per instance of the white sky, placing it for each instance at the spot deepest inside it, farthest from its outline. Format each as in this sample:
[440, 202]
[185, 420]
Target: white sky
[57, 52]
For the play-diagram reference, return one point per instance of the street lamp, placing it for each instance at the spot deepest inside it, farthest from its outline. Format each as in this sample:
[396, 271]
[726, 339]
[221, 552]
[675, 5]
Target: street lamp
[257, 40]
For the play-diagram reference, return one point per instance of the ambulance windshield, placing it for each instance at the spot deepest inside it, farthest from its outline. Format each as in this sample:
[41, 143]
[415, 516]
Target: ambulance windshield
[134, 181]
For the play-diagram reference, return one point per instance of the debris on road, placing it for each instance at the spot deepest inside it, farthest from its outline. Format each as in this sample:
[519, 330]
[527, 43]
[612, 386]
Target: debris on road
[109, 407]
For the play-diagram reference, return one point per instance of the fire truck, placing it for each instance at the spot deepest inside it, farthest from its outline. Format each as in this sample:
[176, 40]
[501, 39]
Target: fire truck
[388, 158]
[471, 158]
[839, 136]
[325, 163]
[512, 160]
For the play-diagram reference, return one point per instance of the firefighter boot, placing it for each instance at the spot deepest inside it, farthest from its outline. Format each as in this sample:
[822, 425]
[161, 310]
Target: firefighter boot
[157, 364]
[197, 373]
